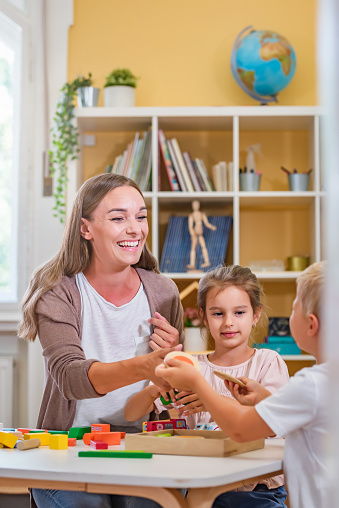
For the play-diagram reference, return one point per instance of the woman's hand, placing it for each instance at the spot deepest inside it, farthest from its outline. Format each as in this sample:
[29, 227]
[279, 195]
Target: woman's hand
[192, 403]
[253, 392]
[153, 360]
[164, 335]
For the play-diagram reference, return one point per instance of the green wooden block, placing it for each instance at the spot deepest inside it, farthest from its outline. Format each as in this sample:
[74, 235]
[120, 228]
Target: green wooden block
[78, 432]
[36, 431]
[58, 432]
[122, 454]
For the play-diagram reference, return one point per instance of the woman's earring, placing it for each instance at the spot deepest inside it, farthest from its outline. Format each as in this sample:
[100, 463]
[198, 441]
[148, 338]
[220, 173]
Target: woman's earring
[254, 325]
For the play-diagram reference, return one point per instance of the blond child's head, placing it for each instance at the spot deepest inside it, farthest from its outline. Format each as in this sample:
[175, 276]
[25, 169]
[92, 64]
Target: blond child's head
[310, 284]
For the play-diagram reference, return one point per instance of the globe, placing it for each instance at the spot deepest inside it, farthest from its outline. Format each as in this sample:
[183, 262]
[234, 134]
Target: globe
[263, 63]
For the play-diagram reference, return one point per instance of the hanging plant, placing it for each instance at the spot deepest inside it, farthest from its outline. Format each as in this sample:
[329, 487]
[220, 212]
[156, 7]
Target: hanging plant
[65, 141]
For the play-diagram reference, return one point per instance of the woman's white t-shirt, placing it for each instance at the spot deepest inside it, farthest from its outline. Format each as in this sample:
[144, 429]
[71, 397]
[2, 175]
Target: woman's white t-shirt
[112, 334]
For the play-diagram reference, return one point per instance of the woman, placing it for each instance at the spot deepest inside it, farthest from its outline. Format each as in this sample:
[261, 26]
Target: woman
[99, 307]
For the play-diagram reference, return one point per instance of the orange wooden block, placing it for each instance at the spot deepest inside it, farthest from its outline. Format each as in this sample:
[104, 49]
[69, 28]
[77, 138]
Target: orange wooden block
[72, 441]
[111, 438]
[87, 437]
[100, 427]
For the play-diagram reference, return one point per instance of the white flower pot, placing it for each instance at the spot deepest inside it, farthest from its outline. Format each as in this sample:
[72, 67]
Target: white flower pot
[195, 339]
[119, 96]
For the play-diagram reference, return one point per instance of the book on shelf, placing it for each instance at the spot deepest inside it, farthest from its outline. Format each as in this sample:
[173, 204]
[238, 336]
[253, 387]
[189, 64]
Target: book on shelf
[176, 167]
[182, 165]
[131, 160]
[143, 176]
[177, 246]
[168, 162]
[192, 172]
[219, 176]
[201, 169]
[137, 158]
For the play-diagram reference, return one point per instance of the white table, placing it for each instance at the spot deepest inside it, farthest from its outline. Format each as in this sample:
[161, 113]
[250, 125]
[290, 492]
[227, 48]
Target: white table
[158, 478]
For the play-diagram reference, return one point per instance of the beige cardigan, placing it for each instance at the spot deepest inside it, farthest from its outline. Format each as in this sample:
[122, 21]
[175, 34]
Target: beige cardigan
[59, 329]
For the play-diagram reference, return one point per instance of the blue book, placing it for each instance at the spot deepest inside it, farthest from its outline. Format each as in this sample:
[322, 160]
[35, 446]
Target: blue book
[177, 246]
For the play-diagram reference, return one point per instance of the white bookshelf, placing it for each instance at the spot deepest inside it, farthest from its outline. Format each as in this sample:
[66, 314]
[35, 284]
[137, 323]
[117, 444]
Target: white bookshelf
[273, 222]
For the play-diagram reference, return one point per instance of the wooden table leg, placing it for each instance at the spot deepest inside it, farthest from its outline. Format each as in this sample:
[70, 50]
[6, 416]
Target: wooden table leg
[167, 498]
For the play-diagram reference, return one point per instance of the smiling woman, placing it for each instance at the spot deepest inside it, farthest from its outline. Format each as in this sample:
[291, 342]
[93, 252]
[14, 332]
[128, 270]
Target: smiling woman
[99, 308]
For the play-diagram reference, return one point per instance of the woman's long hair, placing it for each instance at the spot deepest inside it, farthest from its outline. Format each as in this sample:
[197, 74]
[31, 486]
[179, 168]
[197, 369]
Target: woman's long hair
[75, 253]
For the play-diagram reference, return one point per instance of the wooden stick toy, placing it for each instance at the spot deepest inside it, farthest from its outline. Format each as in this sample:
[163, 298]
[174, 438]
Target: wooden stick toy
[223, 375]
[28, 444]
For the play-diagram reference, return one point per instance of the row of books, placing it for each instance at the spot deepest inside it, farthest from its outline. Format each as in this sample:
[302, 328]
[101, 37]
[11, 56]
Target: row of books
[136, 161]
[177, 246]
[222, 176]
[184, 173]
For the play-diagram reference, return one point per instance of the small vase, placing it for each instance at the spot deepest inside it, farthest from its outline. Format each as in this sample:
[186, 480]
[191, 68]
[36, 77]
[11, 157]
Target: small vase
[119, 96]
[88, 96]
[195, 339]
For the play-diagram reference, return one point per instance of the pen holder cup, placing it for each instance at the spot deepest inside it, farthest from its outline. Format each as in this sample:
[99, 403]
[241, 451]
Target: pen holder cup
[249, 182]
[298, 263]
[298, 182]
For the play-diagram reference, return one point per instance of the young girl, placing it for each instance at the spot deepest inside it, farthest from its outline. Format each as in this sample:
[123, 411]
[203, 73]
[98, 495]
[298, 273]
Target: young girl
[230, 303]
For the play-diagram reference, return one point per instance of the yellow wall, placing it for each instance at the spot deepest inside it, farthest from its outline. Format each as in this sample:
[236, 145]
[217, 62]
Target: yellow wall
[181, 49]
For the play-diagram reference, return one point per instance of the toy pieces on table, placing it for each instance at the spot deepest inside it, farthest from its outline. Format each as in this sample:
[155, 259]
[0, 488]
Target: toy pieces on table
[72, 441]
[173, 423]
[111, 438]
[28, 444]
[58, 442]
[17, 433]
[183, 357]
[100, 427]
[122, 454]
[58, 432]
[8, 439]
[98, 445]
[206, 426]
[169, 401]
[78, 432]
[43, 436]
[227, 377]
[27, 431]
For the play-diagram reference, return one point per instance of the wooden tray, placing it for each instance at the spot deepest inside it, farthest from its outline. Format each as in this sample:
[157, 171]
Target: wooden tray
[207, 443]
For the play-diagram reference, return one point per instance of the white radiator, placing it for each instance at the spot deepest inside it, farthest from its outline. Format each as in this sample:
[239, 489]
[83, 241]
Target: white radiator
[6, 390]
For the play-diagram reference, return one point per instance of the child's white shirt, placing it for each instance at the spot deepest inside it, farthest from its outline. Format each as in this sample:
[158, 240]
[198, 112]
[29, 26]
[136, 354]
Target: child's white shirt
[299, 412]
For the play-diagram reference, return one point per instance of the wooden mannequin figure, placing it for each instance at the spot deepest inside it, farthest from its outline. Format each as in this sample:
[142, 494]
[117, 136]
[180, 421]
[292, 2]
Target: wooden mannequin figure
[196, 219]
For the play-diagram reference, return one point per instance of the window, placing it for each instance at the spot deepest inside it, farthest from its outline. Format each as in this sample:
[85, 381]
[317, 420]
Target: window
[10, 104]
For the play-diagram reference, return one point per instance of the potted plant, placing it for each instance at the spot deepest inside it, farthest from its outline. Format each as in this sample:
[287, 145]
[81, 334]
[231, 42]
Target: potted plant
[65, 140]
[195, 333]
[119, 88]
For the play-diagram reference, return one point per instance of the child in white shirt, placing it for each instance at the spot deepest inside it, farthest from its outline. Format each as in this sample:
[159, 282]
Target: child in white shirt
[298, 410]
[230, 303]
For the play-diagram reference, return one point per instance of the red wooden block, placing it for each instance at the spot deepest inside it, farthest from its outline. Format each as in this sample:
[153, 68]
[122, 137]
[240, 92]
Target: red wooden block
[98, 445]
[72, 441]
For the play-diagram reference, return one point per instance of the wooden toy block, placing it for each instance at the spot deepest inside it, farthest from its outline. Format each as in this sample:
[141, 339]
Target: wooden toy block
[98, 445]
[173, 423]
[87, 438]
[58, 442]
[111, 438]
[43, 436]
[8, 439]
[183, 357]
[28, 444]
[100, 427]
[78, 432]
[16, 433]
[72, 441]
[58, 432]
[122, 454]
[36, 431]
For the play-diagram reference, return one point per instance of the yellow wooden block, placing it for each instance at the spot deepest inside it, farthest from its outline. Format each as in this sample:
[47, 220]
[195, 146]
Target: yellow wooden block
[43, 436]
[8, 439]
[58, 442]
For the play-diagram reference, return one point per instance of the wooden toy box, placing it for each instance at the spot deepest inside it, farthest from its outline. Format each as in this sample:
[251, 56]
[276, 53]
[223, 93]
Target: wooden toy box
[207, 443]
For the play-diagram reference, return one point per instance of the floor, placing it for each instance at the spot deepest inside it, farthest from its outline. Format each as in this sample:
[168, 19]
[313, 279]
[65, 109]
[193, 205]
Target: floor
[14, 500]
